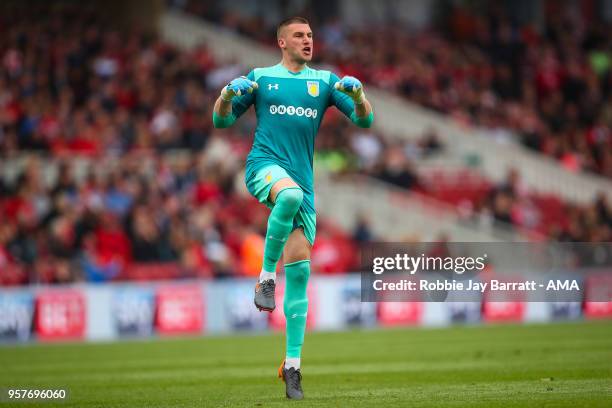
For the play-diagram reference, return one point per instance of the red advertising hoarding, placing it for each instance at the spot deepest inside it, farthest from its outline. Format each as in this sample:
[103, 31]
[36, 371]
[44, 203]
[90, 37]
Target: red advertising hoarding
[399, 313]
[180, 310]
[503, 311]
[506, 305]
[598, 292]
[60, 315]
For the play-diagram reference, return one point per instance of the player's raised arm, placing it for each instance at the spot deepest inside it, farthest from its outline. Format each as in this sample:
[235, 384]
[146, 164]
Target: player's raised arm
[361, 114]
[235, 98]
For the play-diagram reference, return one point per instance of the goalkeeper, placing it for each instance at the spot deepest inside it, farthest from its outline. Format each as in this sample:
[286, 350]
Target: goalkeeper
[290, 99]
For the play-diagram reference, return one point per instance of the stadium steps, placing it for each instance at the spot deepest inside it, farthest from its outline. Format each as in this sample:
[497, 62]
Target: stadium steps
[399, 215]
[401, 119]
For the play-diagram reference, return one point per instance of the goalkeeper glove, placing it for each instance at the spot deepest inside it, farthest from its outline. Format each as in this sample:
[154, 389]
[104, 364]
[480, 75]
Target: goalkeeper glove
[352, 87]
[237, 87]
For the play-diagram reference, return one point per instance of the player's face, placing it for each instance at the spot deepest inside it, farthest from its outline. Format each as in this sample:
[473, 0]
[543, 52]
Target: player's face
[296, 40]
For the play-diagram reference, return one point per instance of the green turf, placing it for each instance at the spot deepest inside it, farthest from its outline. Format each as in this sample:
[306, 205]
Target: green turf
[557, 365]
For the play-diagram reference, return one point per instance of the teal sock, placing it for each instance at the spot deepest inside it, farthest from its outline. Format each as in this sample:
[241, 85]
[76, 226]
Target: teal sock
[296, 305]
[280, 225]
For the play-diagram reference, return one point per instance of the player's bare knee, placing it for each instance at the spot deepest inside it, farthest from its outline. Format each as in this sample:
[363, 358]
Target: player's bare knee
[279, 186]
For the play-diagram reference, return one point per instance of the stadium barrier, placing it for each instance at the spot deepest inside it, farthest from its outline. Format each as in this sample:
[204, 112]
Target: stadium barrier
[200, 307]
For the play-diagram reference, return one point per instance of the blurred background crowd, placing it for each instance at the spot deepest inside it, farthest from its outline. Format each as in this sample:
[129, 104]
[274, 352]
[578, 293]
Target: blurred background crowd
[550, 86]
[122, 176]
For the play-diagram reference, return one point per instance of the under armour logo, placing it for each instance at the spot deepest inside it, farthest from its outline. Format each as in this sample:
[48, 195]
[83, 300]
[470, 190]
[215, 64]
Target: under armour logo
[271, 86]
[276, 239]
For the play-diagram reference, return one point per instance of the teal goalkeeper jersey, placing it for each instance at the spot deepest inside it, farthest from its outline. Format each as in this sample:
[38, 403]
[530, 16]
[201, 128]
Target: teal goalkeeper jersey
[289, 108]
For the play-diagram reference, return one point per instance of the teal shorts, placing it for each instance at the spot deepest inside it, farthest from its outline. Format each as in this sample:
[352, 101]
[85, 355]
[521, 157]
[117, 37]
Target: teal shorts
[260, 186]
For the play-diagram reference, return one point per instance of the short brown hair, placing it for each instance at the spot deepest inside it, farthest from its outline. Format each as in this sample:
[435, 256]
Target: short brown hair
[290, 20]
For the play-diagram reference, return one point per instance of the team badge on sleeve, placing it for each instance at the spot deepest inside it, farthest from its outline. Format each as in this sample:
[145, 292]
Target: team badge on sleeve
[313, 88]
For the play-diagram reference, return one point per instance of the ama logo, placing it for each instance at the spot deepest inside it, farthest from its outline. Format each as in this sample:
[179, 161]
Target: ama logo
[562, 285]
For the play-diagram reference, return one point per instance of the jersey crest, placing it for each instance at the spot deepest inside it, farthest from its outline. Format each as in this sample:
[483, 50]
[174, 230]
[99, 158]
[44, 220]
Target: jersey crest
[313, 88]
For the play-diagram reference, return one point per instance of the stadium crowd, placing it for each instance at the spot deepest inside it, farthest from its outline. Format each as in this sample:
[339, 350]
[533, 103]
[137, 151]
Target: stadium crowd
[508, 204]
[108, 111]
[133, 176]
[549, 88]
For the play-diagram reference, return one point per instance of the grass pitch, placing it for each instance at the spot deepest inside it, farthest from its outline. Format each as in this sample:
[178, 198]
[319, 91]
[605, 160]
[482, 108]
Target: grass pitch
[555, 365]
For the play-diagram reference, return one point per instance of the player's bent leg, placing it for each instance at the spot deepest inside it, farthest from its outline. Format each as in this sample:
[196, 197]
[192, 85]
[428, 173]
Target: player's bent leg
[297, 272]
[287, 198]
[279, 186]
